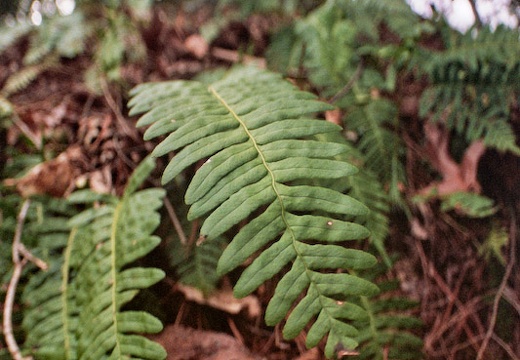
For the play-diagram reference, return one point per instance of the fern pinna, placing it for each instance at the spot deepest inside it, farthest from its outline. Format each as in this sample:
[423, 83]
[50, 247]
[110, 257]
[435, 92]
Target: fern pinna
[260, 158]
[75, 312]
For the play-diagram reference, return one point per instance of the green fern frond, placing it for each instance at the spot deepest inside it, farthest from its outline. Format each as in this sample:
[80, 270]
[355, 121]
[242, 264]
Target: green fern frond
[197, 265]
[259, 151]
[474, 82]
[387, 327]
[76, 308]
[9, 34]
[6, 110]
[23, 78]
[369, 14]
[497, 238]
[63, 35]
[366, 188]
[375, 123]
[469, 204]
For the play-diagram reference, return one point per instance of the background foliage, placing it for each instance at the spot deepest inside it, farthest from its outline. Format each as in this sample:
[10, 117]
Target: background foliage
[429, 116]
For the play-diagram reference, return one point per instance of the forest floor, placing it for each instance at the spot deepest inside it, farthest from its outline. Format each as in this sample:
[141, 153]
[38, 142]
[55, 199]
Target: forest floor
[96, 140]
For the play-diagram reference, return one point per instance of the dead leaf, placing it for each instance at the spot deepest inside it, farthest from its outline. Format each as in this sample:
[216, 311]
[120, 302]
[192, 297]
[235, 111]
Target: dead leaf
[100, 181]
[222, 300]
[197, 46]
[312, 354]
[455, 177]
[334, 116]
[183, 343]
[55, 177]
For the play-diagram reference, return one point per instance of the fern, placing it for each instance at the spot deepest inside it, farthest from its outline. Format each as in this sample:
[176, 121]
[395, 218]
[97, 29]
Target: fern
[62, 35]
[9, 34]
[197, 265]
[388, 329]
[75, 310]
[259, 150]
[20, 80]
[474, 82]
[470, 204]
[382, 148]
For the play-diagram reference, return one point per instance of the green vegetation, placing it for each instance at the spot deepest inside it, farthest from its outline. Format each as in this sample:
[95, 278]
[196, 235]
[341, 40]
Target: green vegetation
[289, 179]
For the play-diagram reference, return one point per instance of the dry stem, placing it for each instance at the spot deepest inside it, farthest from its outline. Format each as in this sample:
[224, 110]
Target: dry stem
[11, 289]
[501, 289]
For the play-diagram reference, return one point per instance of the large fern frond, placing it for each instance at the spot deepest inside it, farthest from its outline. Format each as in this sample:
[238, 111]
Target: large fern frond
[76, 308]
[259, 150]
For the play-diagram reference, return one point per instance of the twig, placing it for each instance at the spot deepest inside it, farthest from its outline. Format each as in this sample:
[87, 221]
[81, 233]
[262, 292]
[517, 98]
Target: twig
[501, 289]
[505, 346]
[175, 221]
[236, 57]
[117, 111]
[478, 20]
[349, 85]
[30, 257]
[11, 289]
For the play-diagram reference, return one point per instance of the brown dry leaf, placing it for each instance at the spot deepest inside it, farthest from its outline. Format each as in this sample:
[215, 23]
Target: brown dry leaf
[222, 300]
[197, 45]
[455, 177]
[334, 116]
[182, 343]
[100, 181]
[236, 57]
[55, 177]
[312, 354]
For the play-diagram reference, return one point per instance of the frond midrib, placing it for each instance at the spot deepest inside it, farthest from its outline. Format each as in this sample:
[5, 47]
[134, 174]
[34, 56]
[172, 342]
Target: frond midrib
[113, 270]
[308, 270]
[67, 331]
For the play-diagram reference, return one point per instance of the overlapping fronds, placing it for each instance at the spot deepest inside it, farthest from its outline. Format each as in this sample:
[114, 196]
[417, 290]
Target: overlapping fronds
[475, 82]
[383, 150]
[389, 331]
[75, 309]
[252, 131]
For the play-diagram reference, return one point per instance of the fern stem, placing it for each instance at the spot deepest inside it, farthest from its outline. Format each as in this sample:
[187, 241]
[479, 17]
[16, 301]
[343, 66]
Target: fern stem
[268, 169]
[349, 85]
[288, 227]
[65, 294]
[113, 270]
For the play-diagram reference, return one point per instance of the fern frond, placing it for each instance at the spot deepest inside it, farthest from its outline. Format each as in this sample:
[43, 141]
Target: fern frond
[76, 308]
[380, 145]
[260, 151]
[386, 326]
[63, 35]
[197, 265]
[6, 110]
[469, 204]
[474, 82]
[8, 35]
[23, 78]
